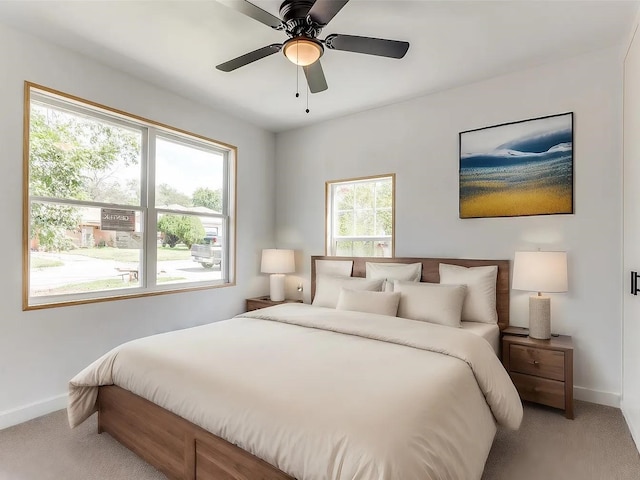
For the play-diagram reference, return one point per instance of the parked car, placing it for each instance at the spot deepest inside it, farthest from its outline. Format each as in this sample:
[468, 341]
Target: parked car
[208, 253]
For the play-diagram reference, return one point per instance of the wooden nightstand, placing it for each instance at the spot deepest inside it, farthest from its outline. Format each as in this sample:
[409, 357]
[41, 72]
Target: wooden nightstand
[515, 331]
[541, 370]
[263, 302]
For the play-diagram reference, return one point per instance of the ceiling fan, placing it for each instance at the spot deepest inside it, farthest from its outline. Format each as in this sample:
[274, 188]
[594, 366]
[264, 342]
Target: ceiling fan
[302, 21]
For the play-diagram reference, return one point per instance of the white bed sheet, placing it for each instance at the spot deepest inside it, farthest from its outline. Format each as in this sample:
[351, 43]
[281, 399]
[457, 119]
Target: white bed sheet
[489, 331]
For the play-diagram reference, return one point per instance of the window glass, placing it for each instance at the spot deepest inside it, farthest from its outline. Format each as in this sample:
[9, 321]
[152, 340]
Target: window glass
[98, 180]
[72, 156]
[80, 256]
[187, 177]
[190, 248]
[360, 217]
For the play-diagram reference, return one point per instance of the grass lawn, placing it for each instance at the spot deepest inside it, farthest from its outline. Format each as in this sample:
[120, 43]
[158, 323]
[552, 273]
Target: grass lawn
[104, 284]
[179, 252]
[39, 262]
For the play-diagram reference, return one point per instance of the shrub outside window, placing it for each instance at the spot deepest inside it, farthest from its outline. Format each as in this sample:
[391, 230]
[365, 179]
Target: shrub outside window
[119, 206]
[360, 217]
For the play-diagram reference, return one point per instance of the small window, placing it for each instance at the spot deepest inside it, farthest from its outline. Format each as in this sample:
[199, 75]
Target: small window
[360, 217]
[116, 205]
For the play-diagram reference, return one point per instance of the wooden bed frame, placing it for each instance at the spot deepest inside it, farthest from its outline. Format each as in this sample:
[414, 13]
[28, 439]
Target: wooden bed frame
[175, 446]
[184, 451]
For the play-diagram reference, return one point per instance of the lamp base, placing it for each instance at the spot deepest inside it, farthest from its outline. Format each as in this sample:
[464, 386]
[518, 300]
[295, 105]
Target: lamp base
[540, 317]
[276, 287]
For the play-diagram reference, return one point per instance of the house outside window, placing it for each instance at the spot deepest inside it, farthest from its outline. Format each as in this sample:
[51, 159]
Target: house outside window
[360, 217]
[118, 206]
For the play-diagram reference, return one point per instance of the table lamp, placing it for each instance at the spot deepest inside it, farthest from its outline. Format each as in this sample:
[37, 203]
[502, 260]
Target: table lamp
[540, 272]
[277, 262]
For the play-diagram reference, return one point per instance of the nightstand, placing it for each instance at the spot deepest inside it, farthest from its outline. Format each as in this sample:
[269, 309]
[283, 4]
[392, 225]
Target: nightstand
[541, 370]
[515, 331]
[263, 302]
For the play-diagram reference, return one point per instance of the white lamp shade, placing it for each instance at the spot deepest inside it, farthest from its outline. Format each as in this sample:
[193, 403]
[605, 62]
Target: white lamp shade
[275, 260]
[540, 272]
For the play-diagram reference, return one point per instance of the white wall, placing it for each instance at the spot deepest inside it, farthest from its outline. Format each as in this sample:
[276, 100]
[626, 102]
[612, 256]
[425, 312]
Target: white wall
[41, 350]
[418, 140]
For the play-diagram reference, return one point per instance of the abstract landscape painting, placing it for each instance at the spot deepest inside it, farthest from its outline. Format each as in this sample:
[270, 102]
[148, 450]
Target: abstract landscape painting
[518, 169]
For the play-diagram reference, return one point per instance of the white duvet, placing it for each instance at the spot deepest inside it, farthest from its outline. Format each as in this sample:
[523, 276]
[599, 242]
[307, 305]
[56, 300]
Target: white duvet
[322, 393]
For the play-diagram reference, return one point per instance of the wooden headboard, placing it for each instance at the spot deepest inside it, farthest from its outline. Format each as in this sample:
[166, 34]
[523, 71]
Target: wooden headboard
[430, 273]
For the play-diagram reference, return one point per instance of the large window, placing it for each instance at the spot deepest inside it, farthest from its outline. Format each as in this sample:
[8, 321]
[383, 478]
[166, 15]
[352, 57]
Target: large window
[360, 217]
[116, 205]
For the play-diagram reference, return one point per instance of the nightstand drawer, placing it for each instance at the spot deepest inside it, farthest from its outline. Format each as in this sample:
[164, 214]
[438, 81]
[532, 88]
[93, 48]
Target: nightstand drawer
[538, 362]
[540, 390]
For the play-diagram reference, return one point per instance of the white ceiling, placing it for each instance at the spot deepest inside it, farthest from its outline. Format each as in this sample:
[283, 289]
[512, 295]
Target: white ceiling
[176, 45]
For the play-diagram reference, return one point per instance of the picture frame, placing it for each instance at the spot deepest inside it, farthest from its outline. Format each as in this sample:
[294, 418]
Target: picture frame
[515, 169]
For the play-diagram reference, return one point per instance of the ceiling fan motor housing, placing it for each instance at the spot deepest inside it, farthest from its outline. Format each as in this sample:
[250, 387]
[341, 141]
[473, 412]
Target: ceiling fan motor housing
[295, 17]
[295, 9]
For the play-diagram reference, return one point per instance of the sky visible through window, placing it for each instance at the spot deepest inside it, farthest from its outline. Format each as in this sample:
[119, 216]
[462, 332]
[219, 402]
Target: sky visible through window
[176, 164]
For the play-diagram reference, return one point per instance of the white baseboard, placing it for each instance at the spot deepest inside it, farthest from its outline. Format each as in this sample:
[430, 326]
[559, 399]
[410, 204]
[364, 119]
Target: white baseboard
[596, 396]
[8, 418]
[632, 416]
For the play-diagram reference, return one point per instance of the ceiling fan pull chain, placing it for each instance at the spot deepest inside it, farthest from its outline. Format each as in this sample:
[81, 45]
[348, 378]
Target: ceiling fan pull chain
[297, 87]
[307, 110]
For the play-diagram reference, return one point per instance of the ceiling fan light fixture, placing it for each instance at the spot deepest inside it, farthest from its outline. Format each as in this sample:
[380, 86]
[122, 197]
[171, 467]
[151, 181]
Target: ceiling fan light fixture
[303, 51]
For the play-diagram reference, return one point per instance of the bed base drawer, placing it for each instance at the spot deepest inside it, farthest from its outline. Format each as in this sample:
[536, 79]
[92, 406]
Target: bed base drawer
[176, 447]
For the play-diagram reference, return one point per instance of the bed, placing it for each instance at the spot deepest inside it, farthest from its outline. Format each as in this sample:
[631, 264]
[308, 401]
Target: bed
[491, 333]
[297, 391]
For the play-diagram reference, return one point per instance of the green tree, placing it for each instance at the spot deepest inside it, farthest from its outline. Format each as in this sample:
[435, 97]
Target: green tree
[167, 195]
[54, 173]
[65, 151]
[168, 225]
[190, 230]
[205, 197]
[186, 229]
[101, 189]
[383, 222]
[50, 223]
[356, 205]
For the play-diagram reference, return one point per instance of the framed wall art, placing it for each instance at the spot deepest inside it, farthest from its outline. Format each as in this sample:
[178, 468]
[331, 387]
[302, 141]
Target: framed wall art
[518, 169]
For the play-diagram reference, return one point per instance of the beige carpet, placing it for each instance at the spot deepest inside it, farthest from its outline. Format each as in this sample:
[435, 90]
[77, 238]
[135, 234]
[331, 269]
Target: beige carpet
[595, 446]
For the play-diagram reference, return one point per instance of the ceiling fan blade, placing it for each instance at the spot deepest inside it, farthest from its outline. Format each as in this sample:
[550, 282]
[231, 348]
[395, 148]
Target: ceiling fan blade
[370, 46]
[315, 77]
[250, 57]
[250, 10]
[324, 10]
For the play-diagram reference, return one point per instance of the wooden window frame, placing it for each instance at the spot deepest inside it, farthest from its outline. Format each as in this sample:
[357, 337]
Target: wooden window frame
[329, 216]
[147, 206]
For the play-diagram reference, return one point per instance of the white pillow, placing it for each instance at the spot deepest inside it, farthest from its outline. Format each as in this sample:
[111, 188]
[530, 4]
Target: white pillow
[365, 301]
[339, 268]
[431, 302]
[328, 288]
[411, 272]
[480, 302]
